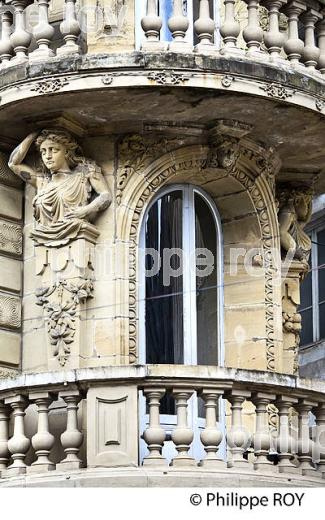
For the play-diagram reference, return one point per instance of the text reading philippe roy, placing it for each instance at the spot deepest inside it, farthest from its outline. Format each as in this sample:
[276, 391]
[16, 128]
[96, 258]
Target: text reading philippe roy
[247, 501]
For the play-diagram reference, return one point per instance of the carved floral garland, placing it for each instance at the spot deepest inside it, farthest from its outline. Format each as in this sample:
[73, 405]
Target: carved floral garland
[62, 313]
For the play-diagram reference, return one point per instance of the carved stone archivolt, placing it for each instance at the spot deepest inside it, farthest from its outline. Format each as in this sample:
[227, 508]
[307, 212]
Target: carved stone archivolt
[250, 165]
[70, 191]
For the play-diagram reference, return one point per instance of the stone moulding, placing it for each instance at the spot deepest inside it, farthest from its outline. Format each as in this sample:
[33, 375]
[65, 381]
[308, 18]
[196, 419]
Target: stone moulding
[255, 171]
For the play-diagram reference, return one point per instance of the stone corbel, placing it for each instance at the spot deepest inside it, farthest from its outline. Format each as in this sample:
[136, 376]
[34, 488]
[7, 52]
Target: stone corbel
[66, 276]
[224, 142]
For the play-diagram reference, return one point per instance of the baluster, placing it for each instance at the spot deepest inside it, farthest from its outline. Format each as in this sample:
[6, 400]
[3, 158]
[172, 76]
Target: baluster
[310, 53]
[273, 38]
[19, 444]
[70, 30]
[152, 24]
[43, 33]
[238, 438]
[72, 438]
[262, 437]
[211, 436]
[4, 435]
[305, 444]
[178, 24]
[230, 29]
[155, 435]
[6, 48]
[286, 445]
[321, 45]
[253, 33]
[319, 413]
[43, 440]
[182, 435]
[294, 47]
[204, 28]
[20, 38]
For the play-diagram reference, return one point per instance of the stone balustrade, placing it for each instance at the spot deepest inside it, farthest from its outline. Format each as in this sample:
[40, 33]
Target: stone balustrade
[252, 422]
[298, 41]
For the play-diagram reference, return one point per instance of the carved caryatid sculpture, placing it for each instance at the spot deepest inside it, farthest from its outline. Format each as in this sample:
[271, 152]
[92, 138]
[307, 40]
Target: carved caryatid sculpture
[65, 183]
[295, 207]
[70, 191]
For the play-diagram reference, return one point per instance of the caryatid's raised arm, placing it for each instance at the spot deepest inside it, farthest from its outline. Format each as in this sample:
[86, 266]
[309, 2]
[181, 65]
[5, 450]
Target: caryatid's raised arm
[25, 172]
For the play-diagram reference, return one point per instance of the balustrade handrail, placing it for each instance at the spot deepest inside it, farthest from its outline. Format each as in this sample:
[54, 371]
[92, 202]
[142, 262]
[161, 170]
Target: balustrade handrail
[301, 454]
[301, 44]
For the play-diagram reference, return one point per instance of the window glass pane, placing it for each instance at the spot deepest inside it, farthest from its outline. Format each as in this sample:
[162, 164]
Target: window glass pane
[321, 262]
[206, 283]
[306, 292]
[322, 321]
[164, 298]
[306, 335]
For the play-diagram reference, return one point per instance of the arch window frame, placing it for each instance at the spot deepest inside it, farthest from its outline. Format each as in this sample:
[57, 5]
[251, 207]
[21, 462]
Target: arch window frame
[189, 279]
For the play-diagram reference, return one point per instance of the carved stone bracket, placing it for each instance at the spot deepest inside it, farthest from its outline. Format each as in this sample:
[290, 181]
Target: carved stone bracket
[66, 276]
[291, 319]
[224, 141]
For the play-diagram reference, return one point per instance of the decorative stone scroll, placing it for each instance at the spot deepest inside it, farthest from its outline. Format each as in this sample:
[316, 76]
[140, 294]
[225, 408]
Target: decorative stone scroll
[71, 190]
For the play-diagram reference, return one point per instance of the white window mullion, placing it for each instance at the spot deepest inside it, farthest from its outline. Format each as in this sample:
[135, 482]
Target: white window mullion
[314, 278]
[189, 278]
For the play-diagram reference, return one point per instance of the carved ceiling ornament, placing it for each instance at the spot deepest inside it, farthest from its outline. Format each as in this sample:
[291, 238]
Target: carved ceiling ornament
[49, 86]
[195, 158]
[224, 141]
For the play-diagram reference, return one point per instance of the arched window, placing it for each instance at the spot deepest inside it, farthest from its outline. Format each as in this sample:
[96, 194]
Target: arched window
[181, 279]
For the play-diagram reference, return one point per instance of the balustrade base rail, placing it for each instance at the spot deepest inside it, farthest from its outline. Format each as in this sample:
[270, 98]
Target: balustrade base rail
[91, 418]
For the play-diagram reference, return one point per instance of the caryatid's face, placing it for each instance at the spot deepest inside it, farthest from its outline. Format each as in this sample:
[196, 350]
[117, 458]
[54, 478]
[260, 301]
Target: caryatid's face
[54, 156]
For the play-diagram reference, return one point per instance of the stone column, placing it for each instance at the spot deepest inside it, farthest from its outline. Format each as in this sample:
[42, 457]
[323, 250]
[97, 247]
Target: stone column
[211, 436]
[43, 440]
[19, 444]
[72, 438]
[155, 435]
[253, 34]
[262, 436]
[43, 33]
[230, 29]
[238, 438]
[204, 27]
[311, 52]
[273, 38]
[70, 30]
[20, 38]
[6, 48]
[305, 443]
[294, 47]
[319, 413]
[182, 435]
[178, 25]
[151, 25]
[4, 436]
[321, 44]
[286, 445]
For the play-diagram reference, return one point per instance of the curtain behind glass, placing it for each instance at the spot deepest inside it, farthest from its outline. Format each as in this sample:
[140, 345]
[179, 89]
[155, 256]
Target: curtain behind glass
[207, 291]
[164, 303]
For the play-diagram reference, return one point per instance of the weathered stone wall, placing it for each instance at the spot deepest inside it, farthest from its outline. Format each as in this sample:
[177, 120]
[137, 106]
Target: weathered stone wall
[135, 168]
[10, 268]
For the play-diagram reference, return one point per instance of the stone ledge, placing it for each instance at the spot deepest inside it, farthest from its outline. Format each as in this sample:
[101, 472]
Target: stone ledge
[144, 477]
